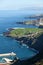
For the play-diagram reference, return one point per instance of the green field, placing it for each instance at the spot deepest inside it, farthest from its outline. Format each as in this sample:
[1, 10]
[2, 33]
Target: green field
[25, 31]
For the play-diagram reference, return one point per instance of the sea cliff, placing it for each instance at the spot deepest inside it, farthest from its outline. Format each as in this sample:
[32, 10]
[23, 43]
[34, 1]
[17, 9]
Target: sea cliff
[33, 37]
[28, 36]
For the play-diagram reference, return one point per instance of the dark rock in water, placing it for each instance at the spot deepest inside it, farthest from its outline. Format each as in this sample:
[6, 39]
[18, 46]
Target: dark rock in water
[34, 16]
[6, 34]
[24, 40]
[10, 29]
[40, 26]
[20, 22]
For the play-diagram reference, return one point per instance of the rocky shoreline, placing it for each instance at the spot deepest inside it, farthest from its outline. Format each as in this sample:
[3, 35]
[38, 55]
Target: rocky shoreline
[31, 40]
[36, 20]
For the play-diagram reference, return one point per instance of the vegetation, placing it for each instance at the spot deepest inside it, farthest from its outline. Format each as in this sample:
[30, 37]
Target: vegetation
[28, 22]
[24, 31]
[35, 40]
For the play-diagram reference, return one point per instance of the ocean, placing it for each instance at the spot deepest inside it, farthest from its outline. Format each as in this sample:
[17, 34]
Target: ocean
[8, 45]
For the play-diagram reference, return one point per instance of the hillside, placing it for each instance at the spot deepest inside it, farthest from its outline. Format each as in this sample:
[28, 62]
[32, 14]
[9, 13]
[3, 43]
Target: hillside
[38, 44]
[25, 32]
[30, 36]
[33, 37]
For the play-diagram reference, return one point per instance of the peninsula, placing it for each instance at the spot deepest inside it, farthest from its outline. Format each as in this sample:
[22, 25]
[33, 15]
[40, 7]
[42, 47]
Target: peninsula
[27, 36]
[33, 37]
[36, 20]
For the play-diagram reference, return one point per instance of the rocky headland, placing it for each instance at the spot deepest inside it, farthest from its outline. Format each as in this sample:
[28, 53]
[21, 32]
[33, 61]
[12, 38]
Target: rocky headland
[36, 20]
[33, 37]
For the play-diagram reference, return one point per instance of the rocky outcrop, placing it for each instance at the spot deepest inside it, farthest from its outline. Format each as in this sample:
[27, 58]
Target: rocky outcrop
[20, 22]
[35, 16]
[6, 34]
[33, 40]
[38, 45]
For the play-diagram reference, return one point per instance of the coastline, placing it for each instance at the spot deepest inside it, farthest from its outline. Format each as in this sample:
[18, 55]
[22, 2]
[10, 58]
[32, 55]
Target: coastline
[31, 46]
[29, 39]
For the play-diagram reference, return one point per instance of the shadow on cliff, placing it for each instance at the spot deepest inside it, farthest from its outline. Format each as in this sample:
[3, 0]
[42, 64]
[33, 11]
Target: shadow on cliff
[38, 45]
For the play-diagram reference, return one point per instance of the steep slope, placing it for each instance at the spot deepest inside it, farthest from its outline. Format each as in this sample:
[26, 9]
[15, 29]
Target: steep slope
[38, 45]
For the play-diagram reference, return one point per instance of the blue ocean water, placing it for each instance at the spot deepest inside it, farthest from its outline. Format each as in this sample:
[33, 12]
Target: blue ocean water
[11, 45]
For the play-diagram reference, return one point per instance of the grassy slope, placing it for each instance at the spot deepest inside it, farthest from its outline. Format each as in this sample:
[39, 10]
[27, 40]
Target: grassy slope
[21, 32]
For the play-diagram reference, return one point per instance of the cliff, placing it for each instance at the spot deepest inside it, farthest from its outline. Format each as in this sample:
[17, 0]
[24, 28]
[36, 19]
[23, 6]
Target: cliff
[38, 45]
[33, 37]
